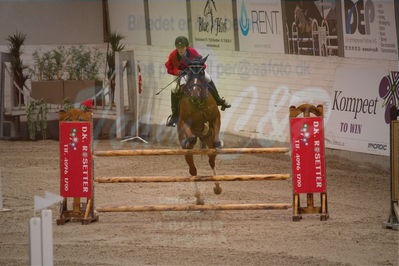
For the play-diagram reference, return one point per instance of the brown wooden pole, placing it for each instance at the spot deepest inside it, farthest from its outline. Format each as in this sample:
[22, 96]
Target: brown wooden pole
[148, 179]
[277, 206]
[188, 151]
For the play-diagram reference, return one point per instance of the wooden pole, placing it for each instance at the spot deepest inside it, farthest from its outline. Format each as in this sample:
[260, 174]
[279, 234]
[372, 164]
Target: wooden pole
[188, 151]
[148, 179]
[278, 206]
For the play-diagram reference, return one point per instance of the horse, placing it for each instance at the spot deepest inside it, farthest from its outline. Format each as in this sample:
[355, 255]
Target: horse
[199, 117]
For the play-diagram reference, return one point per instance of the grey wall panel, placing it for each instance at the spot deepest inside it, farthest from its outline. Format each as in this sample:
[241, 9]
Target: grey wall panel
[52, 22]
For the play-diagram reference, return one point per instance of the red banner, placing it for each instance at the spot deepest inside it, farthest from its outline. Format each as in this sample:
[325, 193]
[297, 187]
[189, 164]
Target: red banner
[75, 159]
[307, 145]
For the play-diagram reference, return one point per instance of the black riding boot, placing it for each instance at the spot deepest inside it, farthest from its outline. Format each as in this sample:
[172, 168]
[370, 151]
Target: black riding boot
[219, 101]
[173, 118]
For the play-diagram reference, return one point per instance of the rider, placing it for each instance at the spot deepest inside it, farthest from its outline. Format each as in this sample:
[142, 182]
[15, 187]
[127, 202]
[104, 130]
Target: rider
[176, 66]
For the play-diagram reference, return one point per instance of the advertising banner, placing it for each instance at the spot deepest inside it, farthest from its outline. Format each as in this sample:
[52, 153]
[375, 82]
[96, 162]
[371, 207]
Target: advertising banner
[370, 29]
[212, 22]
[307, 146]
[75, 159]
[359, 118]
[311, 27]
[260, 26]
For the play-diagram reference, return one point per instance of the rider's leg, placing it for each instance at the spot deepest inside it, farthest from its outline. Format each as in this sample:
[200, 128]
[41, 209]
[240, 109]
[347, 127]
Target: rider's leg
[174, 99]
[212, 89]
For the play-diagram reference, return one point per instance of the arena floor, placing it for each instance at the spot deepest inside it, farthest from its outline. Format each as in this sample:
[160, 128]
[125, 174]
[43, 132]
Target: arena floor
[358, 201]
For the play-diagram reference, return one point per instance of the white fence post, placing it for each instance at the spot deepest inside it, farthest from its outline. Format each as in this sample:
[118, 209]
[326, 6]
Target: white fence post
[41, 239]
[35, 240]
[47, 238]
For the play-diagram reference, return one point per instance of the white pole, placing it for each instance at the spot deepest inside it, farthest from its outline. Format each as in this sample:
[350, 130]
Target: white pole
[35, 239]
[137, 118]
[1, 198]
[47, 237]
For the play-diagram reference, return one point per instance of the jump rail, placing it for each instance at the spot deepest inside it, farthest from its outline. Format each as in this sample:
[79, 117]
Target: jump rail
[148, 179]
[278, 206]
[188, 151]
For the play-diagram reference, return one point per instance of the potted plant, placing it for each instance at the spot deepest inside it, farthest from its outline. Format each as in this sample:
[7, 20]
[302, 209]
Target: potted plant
[66, 73]
[113, 40]
[18, 68]
[48, 74]
[82, 67]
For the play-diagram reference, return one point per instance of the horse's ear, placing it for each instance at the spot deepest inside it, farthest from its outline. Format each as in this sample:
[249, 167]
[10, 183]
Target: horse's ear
[204, 59]
[185, 58]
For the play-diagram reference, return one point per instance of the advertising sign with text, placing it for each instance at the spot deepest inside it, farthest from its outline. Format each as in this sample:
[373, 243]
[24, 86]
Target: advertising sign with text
[212, 22]
[369, 29]
[260, 26]
[361, 99]
[75, 159]
[307, 151]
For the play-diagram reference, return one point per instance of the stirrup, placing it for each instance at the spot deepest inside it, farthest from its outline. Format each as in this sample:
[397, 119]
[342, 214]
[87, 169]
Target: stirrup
[171, 121]
[224, 104]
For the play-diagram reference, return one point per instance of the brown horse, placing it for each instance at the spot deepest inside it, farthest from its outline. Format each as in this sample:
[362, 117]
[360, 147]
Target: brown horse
[199, 117]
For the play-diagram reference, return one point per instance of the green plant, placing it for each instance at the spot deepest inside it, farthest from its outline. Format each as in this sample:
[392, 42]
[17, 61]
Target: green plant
[18, 68]
[67, 104]
[50, 65]
[36, 113]
[113, 40]
[74, 63]
[83, 64]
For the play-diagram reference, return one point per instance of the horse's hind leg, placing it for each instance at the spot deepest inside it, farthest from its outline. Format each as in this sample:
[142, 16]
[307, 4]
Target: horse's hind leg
[193, 172]
[212, 158]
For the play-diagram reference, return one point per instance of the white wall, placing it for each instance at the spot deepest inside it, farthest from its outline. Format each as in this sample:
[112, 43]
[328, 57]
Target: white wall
[168, 19]
[128, 19]
[52, 22]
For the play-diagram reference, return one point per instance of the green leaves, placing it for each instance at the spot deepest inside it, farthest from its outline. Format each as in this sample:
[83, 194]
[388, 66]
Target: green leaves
[74, 63]
[36, 113]
[114, 40]
[15, 43]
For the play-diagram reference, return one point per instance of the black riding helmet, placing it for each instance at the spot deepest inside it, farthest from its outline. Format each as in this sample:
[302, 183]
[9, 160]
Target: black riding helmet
[181, 41]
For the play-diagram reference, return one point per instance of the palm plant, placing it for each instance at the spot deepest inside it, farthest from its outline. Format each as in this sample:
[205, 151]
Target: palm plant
[113, 40]
[15, 44]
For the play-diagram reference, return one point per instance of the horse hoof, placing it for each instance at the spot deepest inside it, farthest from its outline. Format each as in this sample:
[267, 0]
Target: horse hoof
[217, 190]
[200, 202]
[218, 144]
[188, 143]
[193, 171]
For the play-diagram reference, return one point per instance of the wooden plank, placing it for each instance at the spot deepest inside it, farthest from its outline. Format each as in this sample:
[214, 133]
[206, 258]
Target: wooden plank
[148, 179]
[188, 151]
[276, 206]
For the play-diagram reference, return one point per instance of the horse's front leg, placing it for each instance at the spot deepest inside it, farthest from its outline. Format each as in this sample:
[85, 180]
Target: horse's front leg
[187, 141]
[212, 162]
[190, 161]
[186, 137]
[217, 142]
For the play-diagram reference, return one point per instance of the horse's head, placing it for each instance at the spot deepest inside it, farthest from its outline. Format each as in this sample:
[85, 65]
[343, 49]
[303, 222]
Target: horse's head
[196, 86]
